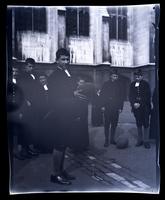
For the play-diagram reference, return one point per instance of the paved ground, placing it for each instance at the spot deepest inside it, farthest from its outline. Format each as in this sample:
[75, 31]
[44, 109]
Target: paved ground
[99, 169]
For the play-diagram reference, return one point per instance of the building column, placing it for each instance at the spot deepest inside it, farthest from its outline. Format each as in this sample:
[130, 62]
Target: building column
[96, 33]
[52, 30]
[141, 33]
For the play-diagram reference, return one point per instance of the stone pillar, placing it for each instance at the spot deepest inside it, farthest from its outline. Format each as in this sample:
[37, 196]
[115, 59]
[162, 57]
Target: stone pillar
[96, 33]
[130, 24]
[141, 35]
[105, 39]
[61, 29]
[52, 30]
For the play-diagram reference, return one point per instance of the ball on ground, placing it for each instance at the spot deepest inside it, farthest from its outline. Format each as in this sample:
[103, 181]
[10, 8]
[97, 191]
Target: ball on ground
[122, 142]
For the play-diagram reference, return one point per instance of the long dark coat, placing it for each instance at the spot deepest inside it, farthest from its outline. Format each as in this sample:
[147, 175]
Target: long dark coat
[30, 117]
[15, 99]
[142, 95]
[112, 95]
[62, 109]
[28, 86]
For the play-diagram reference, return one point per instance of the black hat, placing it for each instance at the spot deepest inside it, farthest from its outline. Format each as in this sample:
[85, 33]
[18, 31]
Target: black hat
[138, 72]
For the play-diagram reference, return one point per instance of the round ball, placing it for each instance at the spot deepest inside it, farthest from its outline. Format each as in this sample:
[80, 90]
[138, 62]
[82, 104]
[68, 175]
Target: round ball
[122, 142]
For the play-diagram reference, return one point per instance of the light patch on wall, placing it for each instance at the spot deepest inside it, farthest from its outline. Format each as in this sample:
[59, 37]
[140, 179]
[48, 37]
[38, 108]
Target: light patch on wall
[81, 50]
[36, 46]
[121, 53]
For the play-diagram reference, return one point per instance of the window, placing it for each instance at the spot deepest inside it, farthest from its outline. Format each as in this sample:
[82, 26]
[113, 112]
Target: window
[26, 19]
[30, 19]
[118, 23]
[77, 21]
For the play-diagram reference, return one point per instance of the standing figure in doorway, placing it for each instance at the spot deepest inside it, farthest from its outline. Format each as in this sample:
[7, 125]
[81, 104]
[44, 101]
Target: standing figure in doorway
[140, 100]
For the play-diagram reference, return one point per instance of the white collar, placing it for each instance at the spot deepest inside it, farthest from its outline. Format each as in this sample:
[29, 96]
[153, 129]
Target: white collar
[137, 84]
[65, 70]
[32, 76]
[45, 87]
[68, 74]
[14, 81]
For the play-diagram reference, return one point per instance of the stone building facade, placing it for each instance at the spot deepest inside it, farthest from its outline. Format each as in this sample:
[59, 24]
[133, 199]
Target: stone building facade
[98, 38]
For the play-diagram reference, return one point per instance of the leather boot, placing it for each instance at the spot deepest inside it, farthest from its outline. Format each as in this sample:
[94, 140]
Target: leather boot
[58, 163]
[59, 180]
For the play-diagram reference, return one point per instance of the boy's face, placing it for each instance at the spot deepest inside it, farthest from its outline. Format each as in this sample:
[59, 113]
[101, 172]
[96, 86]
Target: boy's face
[42, 79]
[63, 61]
[138, 78]
[29, 67]
[114, 77]
[81, 82]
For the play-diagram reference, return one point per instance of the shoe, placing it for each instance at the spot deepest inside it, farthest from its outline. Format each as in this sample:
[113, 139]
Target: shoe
[139, 143]
[25, 155]
[32, 152]
[37, 150]
[75, 151]
[106, 144]
[68, 176]
[19, 157]
[147, 145]
[59, 180]
[112, 142]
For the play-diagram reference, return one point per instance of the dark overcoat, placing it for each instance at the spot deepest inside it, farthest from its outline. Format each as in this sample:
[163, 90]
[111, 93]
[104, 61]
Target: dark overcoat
[62, 108]
[112, 95]
[142, 95]
[28, 84]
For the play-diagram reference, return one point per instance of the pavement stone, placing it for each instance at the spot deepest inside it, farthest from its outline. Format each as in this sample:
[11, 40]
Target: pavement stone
[97, 170]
